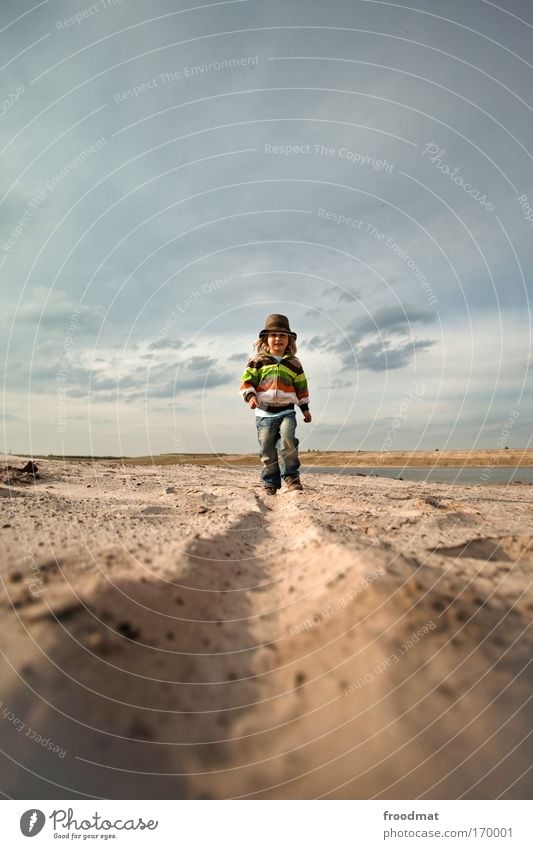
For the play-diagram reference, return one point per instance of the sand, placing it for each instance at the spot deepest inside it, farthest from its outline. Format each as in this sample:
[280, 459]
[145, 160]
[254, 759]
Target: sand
[172, 632]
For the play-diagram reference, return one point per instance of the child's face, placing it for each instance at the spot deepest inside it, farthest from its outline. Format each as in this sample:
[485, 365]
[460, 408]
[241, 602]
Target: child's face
[277, 342]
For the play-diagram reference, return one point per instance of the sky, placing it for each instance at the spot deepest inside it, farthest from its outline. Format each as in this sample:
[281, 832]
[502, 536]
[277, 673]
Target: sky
[174, 173]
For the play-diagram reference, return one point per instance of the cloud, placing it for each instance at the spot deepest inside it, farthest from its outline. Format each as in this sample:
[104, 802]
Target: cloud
[337, 383]
[315, 343]
[198, 363]
[383, 355]
[54, 309]
[172, 344]
[104, 380]
[164, 381]
[394, 319]
[347, 297]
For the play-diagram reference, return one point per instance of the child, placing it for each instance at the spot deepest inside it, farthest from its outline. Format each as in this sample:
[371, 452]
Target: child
[274, 381]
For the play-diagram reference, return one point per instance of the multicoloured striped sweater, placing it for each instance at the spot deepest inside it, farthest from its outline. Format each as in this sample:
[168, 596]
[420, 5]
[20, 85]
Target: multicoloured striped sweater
[277, 385]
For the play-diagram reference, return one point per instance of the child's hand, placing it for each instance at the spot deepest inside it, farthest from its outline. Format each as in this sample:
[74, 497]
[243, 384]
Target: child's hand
[252, 403]
[307, 416]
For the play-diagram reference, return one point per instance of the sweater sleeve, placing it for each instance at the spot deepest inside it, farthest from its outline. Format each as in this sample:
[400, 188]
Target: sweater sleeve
[302, 390]
[249, 381]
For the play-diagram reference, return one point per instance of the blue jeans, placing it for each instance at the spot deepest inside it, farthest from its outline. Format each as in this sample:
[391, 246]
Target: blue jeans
[278, 448]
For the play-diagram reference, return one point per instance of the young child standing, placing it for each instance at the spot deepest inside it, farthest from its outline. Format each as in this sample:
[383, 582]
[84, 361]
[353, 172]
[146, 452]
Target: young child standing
[273, 383]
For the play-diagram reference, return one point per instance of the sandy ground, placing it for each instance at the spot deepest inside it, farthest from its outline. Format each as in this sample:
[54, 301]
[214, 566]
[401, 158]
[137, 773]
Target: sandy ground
[171, 632]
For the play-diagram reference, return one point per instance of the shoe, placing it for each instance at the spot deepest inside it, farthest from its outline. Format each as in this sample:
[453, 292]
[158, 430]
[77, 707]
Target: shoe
[294, 485]
[270, 490]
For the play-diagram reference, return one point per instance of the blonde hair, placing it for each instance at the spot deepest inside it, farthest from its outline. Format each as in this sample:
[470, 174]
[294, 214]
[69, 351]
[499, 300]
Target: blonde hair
[261, 346]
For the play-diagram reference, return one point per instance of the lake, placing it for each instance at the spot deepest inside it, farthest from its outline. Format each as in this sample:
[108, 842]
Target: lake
[447, 474]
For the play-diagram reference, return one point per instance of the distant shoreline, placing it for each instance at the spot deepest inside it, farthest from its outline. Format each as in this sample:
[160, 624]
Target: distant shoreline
[511, 458]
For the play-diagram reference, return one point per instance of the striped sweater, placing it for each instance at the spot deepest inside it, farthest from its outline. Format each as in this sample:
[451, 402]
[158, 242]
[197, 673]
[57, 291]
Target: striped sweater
[277, 385]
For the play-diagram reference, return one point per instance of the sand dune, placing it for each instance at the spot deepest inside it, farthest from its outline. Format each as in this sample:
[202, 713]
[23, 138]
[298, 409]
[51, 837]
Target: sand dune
[177, 634]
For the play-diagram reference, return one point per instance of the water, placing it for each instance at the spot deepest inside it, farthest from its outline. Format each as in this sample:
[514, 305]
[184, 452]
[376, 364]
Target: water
[447, 474]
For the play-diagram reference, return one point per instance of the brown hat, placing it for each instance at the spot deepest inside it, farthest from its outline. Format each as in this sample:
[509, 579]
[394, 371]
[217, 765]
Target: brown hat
[277, 324]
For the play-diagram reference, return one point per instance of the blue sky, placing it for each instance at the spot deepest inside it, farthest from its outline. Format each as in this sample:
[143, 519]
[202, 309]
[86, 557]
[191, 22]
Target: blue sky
[172, 174]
